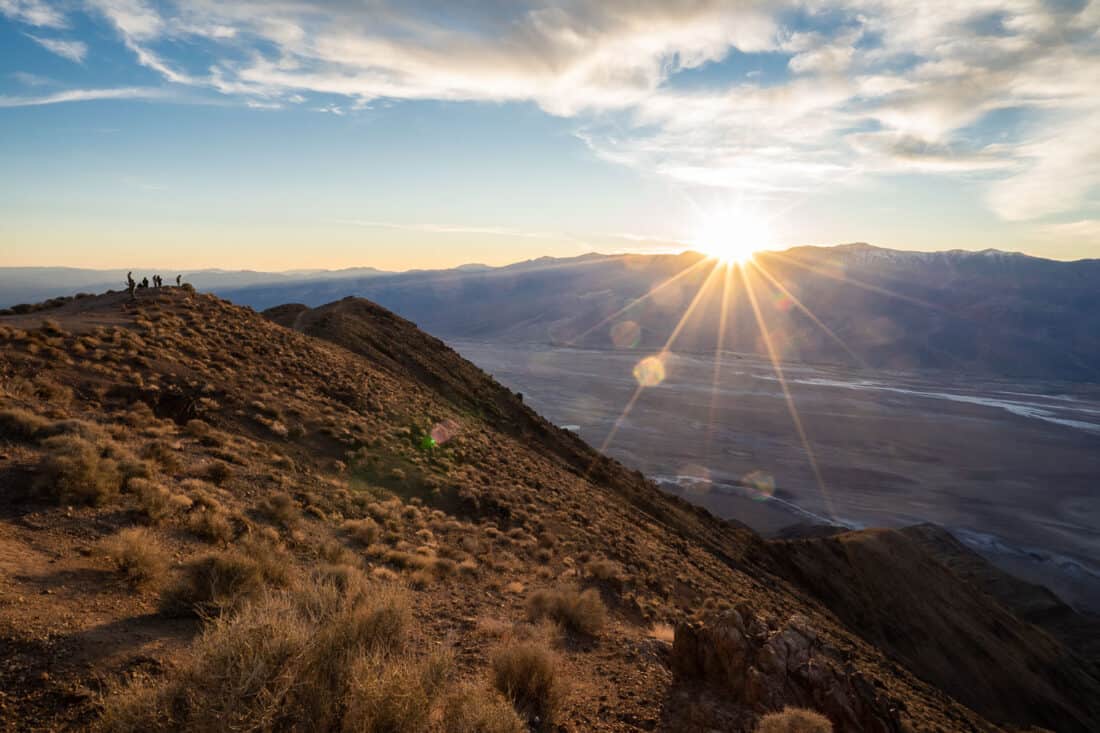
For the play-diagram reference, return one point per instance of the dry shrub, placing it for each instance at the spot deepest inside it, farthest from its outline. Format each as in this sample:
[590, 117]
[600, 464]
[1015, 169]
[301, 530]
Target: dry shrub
[605, 570]
[472, 709]
[212, 525]
[395, 695]
[408, 560]
[281, 508]
[19, 424]
[218, 472]
[527, 674]
[794, 720]
[76, 470]
[315, 657]
[155, 501]
[582, 612]
[364, 531]
[161, 453]
[226, 580]
[137, 555]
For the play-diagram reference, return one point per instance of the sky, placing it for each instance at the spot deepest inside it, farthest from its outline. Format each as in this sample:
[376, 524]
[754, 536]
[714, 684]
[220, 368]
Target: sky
[280, 134]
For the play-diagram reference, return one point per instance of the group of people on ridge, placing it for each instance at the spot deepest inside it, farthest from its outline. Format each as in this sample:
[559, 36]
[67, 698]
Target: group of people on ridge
[158, 282]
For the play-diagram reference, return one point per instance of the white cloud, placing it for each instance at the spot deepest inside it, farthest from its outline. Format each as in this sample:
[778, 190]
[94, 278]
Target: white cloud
[1060, 172]
[83, 95]
[33, 12]
[894, 86]
[74, 51]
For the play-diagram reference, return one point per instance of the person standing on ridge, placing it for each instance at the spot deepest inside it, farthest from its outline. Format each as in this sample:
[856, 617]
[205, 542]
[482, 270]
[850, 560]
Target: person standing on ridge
[130, 284]
[178, 277]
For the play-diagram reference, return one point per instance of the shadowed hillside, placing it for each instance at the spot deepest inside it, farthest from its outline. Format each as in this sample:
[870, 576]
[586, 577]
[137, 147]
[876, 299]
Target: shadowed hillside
[211, 520]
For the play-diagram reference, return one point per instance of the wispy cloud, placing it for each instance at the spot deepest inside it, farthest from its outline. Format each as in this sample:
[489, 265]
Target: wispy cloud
[83, 95]
[33, 12]
[74, 51]
[456, 229]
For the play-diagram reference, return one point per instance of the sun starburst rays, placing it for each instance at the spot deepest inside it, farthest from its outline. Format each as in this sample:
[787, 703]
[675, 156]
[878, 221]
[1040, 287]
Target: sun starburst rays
[729, 276]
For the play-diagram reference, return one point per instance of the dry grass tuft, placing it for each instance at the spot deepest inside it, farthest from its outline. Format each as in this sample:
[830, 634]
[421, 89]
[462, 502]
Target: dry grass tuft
[527, 674]
[211, 524]
[156, 502]
[364, 531]
[77, 470]
[282, 509]
[226, 580]
[136, 554]
[19, 424]
[472, 709]
[582, 612]
[794, 720]
[314, 657]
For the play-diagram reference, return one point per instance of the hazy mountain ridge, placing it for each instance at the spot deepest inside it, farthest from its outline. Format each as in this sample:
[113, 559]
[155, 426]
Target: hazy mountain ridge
[990, 312]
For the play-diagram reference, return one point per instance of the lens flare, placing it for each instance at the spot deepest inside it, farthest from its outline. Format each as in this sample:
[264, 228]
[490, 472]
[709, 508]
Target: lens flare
[761, 483]
[626, 334]
[650, 371]
[442, 432]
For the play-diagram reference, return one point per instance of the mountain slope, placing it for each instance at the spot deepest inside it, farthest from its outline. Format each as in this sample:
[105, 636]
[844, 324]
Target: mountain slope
[989, 312]
[178, 453]
[885, 586]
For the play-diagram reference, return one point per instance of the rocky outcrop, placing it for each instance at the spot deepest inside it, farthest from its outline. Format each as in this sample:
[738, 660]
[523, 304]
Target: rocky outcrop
[766, 665]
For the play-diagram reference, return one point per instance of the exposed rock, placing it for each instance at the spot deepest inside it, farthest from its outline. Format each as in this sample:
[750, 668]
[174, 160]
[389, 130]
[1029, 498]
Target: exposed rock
[766, 665]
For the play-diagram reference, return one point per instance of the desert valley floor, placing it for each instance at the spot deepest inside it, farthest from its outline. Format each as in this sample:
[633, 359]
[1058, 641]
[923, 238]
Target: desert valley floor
[1009, 467]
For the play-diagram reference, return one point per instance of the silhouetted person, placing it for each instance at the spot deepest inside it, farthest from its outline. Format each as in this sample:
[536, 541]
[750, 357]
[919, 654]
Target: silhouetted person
[178, 278]
[144, 282]
[130, 284]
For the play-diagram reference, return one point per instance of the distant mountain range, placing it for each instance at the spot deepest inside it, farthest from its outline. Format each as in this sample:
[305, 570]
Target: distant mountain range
[987, 312]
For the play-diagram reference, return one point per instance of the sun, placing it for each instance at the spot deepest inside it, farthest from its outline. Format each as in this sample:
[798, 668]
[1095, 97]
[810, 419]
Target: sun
[732, 236]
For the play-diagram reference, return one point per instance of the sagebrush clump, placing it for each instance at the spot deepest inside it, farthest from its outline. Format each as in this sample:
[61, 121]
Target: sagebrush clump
[526, 673]
[315, 656]
[794, 720]
[137, 554]
[77, 470]
[580, 611]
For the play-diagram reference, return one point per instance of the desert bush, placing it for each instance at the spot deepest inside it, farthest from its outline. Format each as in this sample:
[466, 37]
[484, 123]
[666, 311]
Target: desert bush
[76, 470]
[226, 580]
[364, 531]
[211, 524]
[161, 453]
[282, 509]
[313, 657]
[794, 720]
[605, 570]
[473, 709]
[155, 501]
[526, 673]
[582, 612]
[218, 472]
[19, 424]
[395, 695]
[137, 555]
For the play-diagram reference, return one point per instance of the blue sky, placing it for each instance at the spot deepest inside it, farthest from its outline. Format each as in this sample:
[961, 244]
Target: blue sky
[343, 133]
